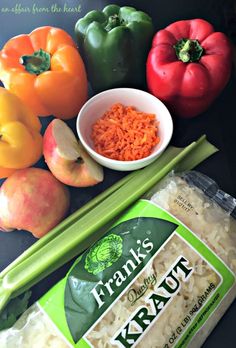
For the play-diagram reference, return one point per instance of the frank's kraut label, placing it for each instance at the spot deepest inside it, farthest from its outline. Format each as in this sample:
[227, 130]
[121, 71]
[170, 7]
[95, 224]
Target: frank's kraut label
[149, 282]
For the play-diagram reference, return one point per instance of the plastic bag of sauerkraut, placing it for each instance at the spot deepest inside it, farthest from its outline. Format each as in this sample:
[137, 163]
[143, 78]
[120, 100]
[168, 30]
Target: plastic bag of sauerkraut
[162, 276]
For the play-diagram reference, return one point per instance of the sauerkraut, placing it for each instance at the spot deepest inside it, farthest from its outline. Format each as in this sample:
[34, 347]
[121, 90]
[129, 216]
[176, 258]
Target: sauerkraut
[198, 291]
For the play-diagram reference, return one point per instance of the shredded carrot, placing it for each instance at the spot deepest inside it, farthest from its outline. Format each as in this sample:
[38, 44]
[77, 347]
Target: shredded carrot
[125, 134]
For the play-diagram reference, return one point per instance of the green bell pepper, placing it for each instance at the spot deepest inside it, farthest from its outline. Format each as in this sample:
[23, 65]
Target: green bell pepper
[114, 44]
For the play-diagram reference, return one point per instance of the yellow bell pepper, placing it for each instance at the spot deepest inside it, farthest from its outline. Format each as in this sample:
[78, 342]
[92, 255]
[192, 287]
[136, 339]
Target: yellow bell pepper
[20, 138]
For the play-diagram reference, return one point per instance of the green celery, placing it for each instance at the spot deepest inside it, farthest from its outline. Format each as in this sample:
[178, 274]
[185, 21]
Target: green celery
[87, 228]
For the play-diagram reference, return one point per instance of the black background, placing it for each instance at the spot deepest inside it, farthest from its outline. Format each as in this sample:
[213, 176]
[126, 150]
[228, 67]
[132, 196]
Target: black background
[218, 123]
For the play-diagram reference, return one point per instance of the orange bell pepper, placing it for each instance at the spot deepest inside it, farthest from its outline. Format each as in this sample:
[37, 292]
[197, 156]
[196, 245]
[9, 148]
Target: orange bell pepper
[45, 70]
[20, 138]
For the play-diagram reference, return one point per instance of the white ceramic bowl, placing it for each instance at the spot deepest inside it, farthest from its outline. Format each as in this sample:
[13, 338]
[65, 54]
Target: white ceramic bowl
[95, 107]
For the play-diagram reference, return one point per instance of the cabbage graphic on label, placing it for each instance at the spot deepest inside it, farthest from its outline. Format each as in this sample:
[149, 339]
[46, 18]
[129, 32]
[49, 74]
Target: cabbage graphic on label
[103, 254]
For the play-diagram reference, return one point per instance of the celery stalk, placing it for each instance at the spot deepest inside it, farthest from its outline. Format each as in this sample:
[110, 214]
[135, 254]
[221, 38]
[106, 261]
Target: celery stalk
[83, 231]
[198, 155]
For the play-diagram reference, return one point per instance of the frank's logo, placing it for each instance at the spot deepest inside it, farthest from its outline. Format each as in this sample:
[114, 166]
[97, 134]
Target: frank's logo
[101, 290]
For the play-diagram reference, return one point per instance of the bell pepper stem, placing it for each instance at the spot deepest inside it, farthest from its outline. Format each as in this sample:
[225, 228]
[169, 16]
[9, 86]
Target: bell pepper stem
[188, 50]
[184, 52]
[36, 63]
[113, 22]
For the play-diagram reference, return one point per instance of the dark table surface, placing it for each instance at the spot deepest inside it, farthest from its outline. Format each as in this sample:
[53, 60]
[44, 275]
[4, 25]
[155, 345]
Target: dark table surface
[218, 123]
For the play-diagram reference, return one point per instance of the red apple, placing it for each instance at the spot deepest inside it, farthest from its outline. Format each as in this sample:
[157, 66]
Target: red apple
[66, 158]
[34, 200]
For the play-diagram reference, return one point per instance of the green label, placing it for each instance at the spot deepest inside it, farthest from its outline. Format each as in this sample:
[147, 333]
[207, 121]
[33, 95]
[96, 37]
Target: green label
[108, 268]
[132, 279]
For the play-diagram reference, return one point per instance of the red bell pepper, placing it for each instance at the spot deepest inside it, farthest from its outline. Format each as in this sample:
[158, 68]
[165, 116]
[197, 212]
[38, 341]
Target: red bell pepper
[188, 66]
